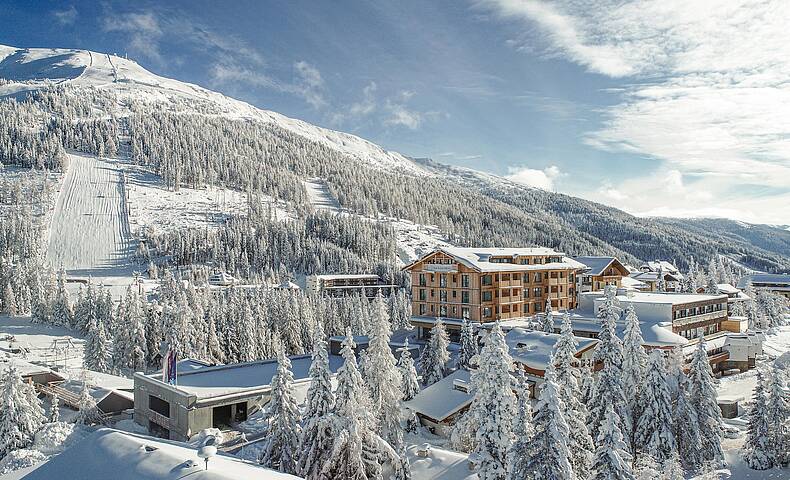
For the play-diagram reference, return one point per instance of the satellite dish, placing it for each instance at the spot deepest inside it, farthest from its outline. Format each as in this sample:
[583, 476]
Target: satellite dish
[208, 449]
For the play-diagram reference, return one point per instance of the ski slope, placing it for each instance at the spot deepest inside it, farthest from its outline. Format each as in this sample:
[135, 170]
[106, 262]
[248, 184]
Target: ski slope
[90, 235]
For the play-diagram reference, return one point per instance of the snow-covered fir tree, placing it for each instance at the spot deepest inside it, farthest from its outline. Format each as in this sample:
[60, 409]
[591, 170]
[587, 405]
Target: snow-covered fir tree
[758, 452]
[62, 313]
[702, 396]
[547, 455]
[54, 408]
[281, 448]
[609, 384]
[383, 378]
[433, 361]
[654, 434]
[21, 415]
[88, 413]
[411, 385]
[778, 410]
[687, 426]
[316, 437]
[634, 365]
[494, 405]
[97, 353]
[547, 319]
[612, 460]
[580, 444]
[468, 345]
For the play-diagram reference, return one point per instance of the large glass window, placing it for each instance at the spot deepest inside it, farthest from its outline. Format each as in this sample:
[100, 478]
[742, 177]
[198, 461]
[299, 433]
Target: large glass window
[465, 281]
[486, 280]
[487, 296]
[464, 297]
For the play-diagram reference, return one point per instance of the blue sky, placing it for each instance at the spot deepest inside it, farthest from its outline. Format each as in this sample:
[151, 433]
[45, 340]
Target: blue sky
[656, 107]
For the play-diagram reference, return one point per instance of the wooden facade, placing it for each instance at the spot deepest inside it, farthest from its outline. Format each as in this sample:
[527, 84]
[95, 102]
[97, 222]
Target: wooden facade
[444, 286]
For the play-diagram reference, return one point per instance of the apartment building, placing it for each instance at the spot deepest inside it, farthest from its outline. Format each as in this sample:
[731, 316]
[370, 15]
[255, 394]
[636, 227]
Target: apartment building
[772, 282]
[598, 272]
[341, 285]
[486, 284]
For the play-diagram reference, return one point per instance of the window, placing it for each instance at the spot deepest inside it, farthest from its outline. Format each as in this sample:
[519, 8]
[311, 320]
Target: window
[538, 277]
[515, 307]
[432, 294]
[487, 312]
[505, 277]
[487, 296]
[422, 279]
[526, 308]
[455, 278]
[422, 294]
[422, 309]
[526, 293]
[442, 295]
[465, 312]
[443, 311]
[455, 311]
[159, 406]
[486, 280]
[465, 281]
[443, 280]
[455, 294]
[537, 292]
[464, 297]
[525, 277]
[538, 307]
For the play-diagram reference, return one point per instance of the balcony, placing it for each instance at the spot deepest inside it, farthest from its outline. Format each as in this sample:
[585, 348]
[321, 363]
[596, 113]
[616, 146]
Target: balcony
[703, 317]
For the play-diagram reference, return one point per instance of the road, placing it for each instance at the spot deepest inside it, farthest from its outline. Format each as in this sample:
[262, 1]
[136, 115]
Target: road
[90, 234]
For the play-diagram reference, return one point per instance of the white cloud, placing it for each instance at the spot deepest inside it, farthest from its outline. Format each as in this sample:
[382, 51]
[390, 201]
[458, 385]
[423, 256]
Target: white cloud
[67, 16]
[143, 30]
[711, 93]
[309, 84]
[543, 179]
[401, 115]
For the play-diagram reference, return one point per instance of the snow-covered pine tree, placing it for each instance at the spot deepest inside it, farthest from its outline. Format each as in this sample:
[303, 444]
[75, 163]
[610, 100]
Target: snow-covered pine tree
[609, 385]
[281, 448]
[522, 426]
[711, 288]
[434, 358]
[468, 347]
[383, 377]
[778, 409]
[353, 454]
[88, 413]
[54, 408]
[411, 385]
[634, 365]
[580, 444]
[494, 404]
[687, 427]
[316, 432]
[21, 414]
[671, 468]
[653, 435]
[9, 301]
[612, 460]
[62, 313]
[702, 396]
[547, 455]
[547, 319]
[757, 450]
[97, 354]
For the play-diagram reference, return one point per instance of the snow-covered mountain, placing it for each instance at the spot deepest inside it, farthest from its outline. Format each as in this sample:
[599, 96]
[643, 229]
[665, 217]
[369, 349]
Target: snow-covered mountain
[466, 206]
[33, 68]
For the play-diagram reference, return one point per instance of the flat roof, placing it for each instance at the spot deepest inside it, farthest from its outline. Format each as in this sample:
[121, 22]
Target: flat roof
[780, 278]
[668, 298]
[442, 399]
[347, 276]
[221, 380]
[534, 348]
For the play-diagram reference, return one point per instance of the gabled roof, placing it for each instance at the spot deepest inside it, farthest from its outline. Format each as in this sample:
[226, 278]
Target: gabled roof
[478, 258]
[657, 265]
[598, 265]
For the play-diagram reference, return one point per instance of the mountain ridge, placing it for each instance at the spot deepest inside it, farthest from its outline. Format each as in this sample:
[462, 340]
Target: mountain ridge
[541, 216]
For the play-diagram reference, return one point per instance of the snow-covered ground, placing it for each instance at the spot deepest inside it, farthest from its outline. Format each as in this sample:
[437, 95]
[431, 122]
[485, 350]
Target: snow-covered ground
[151, 204]
[90, 234]
[54, 347]
[319, 195]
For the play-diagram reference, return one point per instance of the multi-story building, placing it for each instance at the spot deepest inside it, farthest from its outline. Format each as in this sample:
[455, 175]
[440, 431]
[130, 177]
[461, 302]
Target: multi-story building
[486, 284]
[598, 272]
[776, 283]
[655, 272]
[341, 285]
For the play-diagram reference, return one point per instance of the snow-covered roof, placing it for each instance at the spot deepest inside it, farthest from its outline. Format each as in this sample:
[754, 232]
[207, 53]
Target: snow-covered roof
[597, 265]
[534, 348]
[119, 455]
[657, 265]
[653, 276]
[775, 278]
[667, 298]
[632, 283]
[719, 340]
[478, 258]
[656, 334]
[442, 399]
[286, 285]
[727, 288]
[344, 276]
[440, 464]
[219, 380]
[110, 382]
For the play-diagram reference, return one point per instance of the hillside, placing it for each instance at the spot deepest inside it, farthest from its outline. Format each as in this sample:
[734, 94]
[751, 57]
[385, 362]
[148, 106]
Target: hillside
[190, 136]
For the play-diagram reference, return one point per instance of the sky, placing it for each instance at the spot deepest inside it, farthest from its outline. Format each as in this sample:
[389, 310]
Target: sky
[657, 107]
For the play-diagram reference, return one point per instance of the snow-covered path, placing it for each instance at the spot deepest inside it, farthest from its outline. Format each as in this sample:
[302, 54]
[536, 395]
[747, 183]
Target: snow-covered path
[90, 232]
[319, 195]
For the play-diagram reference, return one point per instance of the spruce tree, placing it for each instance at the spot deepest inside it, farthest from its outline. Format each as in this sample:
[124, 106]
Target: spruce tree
[468, 347]
[411, 385]
[634, 363]
[494, 404]
[383, 377]
[433, 361]
[54, 409]
[97, 354]
[758, 450]
[21, 414]
[778, 409]
[687, 427]
[547, 455]
[612, 460]
[702, 396]
[609, 385]
[281, 448]
[653, 434]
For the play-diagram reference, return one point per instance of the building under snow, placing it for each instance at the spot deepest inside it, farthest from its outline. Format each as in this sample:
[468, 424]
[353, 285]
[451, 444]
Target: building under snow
[772, 282]
[204, 396]
[341, 285]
